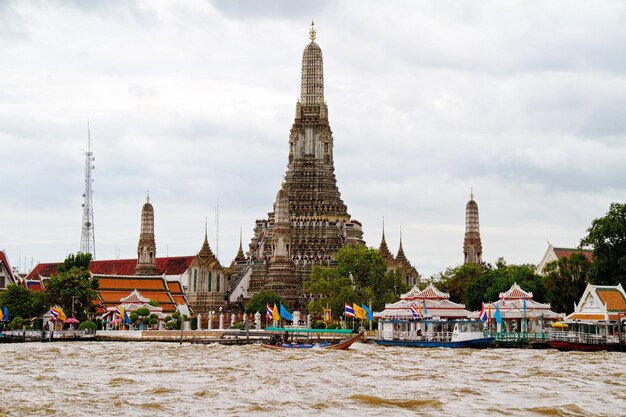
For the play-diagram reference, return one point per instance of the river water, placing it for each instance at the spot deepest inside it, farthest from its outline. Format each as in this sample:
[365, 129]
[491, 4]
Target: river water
[154, 379]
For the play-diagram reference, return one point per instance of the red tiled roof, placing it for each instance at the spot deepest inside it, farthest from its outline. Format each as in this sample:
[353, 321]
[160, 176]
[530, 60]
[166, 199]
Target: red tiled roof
[34, 285]
[173, 265]
[44, 270]
[131, 283]
[613, 299]
[567, 252]
[4, 259]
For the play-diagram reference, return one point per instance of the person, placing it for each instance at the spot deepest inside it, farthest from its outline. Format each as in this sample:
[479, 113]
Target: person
[286, 337]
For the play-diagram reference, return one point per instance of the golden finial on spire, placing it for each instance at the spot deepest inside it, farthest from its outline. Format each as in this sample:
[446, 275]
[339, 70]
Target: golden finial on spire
[471, 193]
[312, 32]
[148, 196]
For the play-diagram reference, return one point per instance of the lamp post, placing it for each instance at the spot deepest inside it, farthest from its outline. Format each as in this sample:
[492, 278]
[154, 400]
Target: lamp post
[221, 319]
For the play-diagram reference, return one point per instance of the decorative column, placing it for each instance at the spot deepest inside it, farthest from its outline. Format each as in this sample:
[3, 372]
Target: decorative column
[199, 322]
[233, 318]
[257, 320]
[221, 319]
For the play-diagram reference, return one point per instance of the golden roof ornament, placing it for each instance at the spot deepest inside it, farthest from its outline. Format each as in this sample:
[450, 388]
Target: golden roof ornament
[312, 32]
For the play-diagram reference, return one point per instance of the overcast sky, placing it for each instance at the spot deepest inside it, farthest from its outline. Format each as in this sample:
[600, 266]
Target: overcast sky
[193, 101]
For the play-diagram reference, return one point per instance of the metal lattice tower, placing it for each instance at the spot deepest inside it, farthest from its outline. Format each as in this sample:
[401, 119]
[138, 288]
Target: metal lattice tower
[88, 237]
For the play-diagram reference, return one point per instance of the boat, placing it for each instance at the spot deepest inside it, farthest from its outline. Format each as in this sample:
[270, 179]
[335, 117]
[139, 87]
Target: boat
[588, 336]
[301, 338]
[433, 333]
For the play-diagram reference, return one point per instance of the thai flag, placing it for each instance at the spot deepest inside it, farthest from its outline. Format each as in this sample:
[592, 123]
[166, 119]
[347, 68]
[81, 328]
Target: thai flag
[483, 314]
[416, 314]
[54, 314]
[117, 311]
[349, 311]
[269, 313]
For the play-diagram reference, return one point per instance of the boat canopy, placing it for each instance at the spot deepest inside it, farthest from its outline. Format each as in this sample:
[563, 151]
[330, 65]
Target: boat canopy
[307, 330]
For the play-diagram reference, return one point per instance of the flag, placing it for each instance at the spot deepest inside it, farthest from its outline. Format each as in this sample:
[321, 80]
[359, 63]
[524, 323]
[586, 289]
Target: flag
[126, 319]
[117, 311]
[497, 315]
[5, 314]
[54, 315]
[415, 312]
[349, 311]
[370, 315]
[424, 310]
[269, 313]
[284, 313]
[275, 313]
[120, 311]
[483, 313]
[524, 304]
[1, 315]
[61, 313]
[359, 312]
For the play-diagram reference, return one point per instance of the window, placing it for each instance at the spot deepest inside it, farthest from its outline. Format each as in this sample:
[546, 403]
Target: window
[210, 281]
[2, 282]
[219, 279]
[195, 279]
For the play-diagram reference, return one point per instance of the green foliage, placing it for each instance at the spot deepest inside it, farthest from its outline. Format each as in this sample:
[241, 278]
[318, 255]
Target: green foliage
[176, 315]
[319, 324]
[154, 316]
[87, 325]
[145, 320]
[73, 283]
[607, 236]
[473, 284]
[17, 323]
[153, 303]
[21, 301]
[333, 326]
[565, 281]
[154, 321]
[360, 277]
[144, 311]
[172, 324]
[236, 326]
[134, 316]
[259, 302]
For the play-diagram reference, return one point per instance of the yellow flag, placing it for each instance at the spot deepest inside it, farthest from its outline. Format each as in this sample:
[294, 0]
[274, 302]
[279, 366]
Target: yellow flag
[359, 312]
[275, 313]
[1, 315]
[62, 315]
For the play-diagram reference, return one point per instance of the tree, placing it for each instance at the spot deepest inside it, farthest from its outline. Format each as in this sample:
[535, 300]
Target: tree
[260, 300]
[360, 277]
[21, 302]
[607, 236]
[565, 281]
[73, 287]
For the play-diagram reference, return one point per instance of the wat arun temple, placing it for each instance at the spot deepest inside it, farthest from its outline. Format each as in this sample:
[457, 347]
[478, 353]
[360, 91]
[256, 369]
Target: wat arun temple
[309, 222]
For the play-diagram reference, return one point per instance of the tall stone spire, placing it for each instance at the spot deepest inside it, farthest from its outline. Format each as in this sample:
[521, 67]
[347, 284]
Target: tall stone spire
[401, 257]
[146, 249]
[472, 246]
[383, 248]
[317, 218]
[240, 255]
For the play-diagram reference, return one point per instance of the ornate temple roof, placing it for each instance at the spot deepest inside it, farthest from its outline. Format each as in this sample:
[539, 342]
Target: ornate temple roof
[600, 302]
[135, 297]
[516, 293]
[312, 83]
[384, 249]
[429, 293]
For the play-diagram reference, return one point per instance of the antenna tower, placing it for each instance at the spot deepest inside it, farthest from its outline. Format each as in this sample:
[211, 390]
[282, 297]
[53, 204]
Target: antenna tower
[87, 237]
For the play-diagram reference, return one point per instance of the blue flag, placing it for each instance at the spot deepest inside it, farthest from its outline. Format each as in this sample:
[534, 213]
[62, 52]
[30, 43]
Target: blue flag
[126, 319]
[524, 304]
[497, 315]
[284, 313]
[5, 311]
[370, 316]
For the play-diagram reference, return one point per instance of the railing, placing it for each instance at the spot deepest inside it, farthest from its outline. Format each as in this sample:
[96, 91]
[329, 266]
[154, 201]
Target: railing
[587, 338]
[412, 336]
[524, 337]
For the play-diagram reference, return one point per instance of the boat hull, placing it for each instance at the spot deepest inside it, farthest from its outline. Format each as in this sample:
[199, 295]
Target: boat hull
[344, 344]
[585, 347]
[485, 342]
